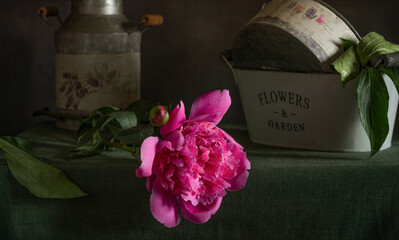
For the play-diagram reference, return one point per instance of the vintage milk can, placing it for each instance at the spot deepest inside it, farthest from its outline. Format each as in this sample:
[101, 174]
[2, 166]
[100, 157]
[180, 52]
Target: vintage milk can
[97, 59]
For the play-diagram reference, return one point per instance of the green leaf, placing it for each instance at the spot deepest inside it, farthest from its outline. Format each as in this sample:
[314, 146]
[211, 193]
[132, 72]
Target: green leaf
[373, 44]
[346, 44]
[106, 110]
[94, 146]
[126, 119]
[141, 108]
[113, 127]
[347, 65]
[19, 143]
[135, 136]
[91, 122]
[372, 99]
[86, 126]
[103, 121]
[39, 178]
[393, 74]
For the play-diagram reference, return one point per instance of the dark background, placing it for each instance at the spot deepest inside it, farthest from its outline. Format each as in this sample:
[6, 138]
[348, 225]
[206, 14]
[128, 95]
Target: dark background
[180, 59]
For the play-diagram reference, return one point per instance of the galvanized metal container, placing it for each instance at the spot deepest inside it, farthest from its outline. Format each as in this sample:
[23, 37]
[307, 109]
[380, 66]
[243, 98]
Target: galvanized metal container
[306, 110]
[280, 61]
[300, 35]
[97, 58]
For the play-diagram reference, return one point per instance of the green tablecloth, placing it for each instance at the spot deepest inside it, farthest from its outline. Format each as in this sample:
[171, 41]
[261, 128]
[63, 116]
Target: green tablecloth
[290, 194]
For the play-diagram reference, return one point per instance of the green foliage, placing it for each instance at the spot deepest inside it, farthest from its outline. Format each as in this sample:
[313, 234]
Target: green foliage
[373, 98]
[393, 73]
[347, 65]
[104, 129]
[373, 44]
[136, 135]
[126, 119]
[346, 44]
[372, 93]
[41, 179]
[97, 132]
[108, 127]
[141, 108]
[92, 147]
[19, 143]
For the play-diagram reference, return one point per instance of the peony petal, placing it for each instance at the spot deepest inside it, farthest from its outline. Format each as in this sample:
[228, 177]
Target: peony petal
[239, 181]
[164, 144]
[176, 138]
[150, 182]
[164, 206]
[214, 104]
[147, 155]
[231, 139]
[205, 117]
[200, 213]
[176, 118]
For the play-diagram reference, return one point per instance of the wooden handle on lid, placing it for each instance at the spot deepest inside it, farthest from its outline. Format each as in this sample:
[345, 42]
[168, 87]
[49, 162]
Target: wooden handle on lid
[152, 19]
[48, 11]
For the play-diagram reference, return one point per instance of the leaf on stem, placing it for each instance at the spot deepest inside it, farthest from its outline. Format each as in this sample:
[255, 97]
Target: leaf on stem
[92, 147]
[373, 44]
[393, 74]
[41, 179]
[141, 108]
[19, 143]
[346, 44]
[106, 110]
[113, 128]
[86, 126]
[126, 119]
[135, 136]
[372, 99]
[347, 65]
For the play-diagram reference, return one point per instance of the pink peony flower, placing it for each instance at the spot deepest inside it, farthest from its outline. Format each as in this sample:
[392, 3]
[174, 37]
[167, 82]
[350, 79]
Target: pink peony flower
[195, 163]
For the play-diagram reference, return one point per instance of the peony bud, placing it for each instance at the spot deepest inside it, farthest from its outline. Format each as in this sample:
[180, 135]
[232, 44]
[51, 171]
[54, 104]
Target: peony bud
[158, 116]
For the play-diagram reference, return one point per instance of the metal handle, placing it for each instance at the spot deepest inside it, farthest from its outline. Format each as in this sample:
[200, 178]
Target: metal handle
[43, 12]
[48, 11]
[341, 17]
[228, 58]
[149, 20]
[385, 60]
[152, 20]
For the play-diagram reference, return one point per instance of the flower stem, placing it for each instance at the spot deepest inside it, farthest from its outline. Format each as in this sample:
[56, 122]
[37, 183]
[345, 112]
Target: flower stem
[57, 115]
[120, 146]
[133, 150]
